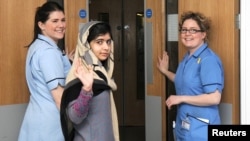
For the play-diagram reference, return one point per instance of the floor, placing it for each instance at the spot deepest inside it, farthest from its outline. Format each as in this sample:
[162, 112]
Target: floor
[132, 133]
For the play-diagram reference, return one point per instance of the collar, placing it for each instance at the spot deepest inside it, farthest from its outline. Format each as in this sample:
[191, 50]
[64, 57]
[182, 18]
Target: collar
[200, 50]
[47, 40]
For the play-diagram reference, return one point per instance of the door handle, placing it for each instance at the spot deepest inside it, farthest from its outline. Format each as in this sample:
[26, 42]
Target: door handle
[126, 39]
[126, 27]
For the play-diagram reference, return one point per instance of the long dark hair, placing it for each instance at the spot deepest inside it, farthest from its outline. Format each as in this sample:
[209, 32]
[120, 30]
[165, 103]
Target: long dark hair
[99, 29]
[42, 15]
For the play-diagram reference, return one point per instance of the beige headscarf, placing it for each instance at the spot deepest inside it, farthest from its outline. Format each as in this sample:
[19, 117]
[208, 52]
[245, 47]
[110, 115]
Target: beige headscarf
[83, 50]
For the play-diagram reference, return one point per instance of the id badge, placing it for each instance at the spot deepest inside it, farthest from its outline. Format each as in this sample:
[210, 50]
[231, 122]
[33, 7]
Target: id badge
[185, 124]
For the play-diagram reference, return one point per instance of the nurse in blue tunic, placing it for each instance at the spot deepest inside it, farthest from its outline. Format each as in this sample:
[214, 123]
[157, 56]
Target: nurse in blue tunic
[199, 80]
[46, 70]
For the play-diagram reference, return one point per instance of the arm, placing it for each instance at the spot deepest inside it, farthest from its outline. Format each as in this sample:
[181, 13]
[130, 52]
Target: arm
[78, 109]
[163, 64]
[198, 100]
[57, 95]
[51, 64]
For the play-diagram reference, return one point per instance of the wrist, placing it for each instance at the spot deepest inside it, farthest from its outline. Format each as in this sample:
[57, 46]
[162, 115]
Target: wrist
[86, 93]
[87, 88]
[166, 72]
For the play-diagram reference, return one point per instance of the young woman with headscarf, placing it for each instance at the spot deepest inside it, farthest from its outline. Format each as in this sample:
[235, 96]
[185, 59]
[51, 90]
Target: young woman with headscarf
[90, 114]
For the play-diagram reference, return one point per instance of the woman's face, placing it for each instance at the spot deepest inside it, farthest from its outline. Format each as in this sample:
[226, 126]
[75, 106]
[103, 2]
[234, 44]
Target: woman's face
[101, 46]
[192, 40]
[55, 26]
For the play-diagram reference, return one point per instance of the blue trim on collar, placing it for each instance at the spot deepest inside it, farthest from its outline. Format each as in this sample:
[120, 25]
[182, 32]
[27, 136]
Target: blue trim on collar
[200, 50]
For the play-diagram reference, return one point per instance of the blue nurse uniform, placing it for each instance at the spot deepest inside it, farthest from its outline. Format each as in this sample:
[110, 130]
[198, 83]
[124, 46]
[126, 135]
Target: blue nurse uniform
[46, 68]
[197, 74]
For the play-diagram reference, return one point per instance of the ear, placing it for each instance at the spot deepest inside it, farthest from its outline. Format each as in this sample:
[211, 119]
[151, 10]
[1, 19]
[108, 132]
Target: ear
[204, 34]
[41, 25]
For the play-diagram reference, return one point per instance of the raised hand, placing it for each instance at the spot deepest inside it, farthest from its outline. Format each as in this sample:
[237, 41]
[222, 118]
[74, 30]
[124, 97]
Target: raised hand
[85, 74]
[70, 54]
[163, 63]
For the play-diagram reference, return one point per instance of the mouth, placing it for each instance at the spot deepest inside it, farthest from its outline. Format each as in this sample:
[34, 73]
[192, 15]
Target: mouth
[60, 31]
[104, 54]
[188, 39]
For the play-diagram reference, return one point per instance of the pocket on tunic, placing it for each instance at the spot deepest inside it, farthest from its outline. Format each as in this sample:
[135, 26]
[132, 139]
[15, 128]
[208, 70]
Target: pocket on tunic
[198, 128]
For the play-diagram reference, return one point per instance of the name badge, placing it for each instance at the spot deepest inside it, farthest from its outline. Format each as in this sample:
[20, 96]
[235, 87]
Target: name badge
[185, 124]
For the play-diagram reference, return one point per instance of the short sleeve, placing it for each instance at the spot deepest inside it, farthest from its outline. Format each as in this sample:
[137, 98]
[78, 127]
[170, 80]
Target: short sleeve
[212, 74]
[51, 65]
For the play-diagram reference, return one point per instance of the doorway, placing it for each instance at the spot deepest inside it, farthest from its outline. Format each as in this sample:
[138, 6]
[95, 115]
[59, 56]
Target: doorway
[126, 20]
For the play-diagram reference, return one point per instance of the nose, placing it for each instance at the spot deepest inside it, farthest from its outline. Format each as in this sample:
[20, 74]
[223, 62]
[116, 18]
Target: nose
[62, 23]
[106, 45]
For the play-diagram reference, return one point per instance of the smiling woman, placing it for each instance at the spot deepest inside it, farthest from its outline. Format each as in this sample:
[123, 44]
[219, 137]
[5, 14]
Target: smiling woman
[199, 80]
[46, 70]
[54, 27]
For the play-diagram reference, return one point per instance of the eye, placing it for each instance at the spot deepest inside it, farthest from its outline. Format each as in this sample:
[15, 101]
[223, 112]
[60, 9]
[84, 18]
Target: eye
[192, 30]
[63, 20]
[99, 42]
[109, 42]
[184, 30]
[54, 21]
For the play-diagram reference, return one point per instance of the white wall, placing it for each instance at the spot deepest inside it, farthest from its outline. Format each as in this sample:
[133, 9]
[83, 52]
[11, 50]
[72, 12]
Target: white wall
[245, 60]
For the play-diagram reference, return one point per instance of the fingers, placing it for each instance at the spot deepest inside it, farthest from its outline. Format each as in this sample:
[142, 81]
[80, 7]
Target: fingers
[70, 54]
[165, 56]
[78, 63]
[165, 53]
[90, 68]
[78, 67]
[168, 104]
[73, 51]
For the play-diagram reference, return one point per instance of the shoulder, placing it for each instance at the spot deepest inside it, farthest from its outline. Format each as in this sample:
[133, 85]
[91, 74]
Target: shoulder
[210, 55]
